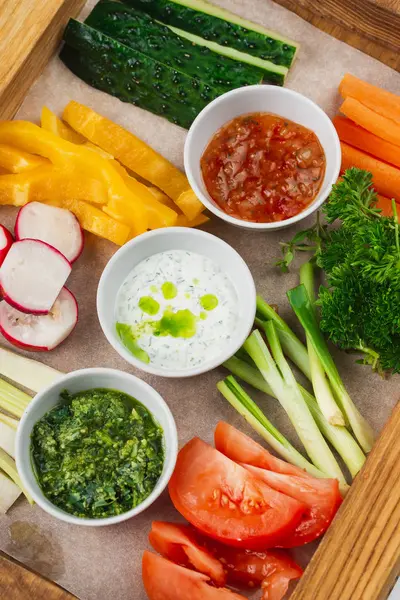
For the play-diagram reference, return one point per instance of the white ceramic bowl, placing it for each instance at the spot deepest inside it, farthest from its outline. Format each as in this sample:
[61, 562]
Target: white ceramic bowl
[176, 238]
[260, 98]
[79, 381]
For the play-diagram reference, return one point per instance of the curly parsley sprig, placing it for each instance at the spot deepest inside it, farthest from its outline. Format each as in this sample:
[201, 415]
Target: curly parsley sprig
[359, 252]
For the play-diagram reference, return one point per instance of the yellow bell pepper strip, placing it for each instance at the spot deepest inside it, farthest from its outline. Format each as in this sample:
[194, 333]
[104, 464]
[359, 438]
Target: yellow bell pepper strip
[183, 221]
[99, 150]
[50, 122]
[132, 153]
[189, 204]
[158, 214]
[163, 198]
[95, 221]
[65, 154]
[45, 183]
[14, 160]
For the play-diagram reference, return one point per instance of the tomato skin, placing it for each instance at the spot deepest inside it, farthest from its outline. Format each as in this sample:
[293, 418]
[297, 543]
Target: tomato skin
[179, 544]
[164, 580]
[224, 501]
[322, 497]
[242, 449]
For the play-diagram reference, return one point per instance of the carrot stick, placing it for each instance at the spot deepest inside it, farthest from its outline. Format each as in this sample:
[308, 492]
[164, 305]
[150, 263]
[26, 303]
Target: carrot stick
[385, 204]
[381, 126]
[383, 102]
[386, 179]
[356, 136]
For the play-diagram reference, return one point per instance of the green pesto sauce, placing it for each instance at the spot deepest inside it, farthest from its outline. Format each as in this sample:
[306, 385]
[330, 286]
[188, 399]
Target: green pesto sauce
[169, 290]
[209, 301]
[97, 454]
[148, 305]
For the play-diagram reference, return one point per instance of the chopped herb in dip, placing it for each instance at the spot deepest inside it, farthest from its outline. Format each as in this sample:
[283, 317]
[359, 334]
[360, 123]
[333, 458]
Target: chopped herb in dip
[97, 454]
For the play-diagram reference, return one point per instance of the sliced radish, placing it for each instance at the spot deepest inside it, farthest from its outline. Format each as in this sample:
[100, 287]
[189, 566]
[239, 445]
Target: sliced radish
[40, 332]
[32, 276]
[55, 226]
[6, 241]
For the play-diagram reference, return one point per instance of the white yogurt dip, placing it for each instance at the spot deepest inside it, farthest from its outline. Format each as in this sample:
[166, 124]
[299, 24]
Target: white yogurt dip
[178, 308]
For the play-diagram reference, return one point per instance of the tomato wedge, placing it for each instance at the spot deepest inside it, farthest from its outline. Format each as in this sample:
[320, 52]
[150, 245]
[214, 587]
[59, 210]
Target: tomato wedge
[322, 497]
[224, 501]
[179, 544]
[242, 449]
[271, 569]
[164, 580]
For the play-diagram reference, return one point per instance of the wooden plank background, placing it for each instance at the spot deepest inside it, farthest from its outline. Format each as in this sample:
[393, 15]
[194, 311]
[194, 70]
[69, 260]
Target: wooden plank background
[359, 557]
[372, 26]
[30, 32]
[19, 583]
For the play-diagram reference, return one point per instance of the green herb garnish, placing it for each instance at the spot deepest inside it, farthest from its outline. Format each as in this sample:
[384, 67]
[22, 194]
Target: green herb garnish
[359, 251]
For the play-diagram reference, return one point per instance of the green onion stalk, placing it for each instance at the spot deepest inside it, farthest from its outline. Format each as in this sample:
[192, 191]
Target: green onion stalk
[320, 383]
[241, 401]
[340, 438]
[12, 399]
[301, 305]
[291, 345]
[280, 378]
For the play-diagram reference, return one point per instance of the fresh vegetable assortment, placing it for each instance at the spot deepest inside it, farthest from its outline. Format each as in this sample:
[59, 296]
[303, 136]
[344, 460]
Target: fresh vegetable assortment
[99, 453]
[172, 58]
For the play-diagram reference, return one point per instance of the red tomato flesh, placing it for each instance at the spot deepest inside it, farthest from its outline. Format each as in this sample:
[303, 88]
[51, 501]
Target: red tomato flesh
[242, 449]
[260, 167]
[179, 544]
[271, 569]
[224, 501]
[164, 580]
[322, 497]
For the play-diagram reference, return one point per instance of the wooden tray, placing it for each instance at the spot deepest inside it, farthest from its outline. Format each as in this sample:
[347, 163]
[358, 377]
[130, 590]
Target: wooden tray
[372, 26]
[358, 558]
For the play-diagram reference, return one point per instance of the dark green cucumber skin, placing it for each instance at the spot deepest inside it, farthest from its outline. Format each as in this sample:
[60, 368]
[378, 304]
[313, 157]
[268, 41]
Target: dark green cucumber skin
[217, 30]
[139, 31]
[132, 77]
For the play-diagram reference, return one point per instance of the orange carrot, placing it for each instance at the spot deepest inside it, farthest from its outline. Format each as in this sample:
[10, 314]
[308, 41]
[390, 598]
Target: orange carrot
[381, 126]
[386, 179]
[383, 102]
[356, 136]
[385, 204]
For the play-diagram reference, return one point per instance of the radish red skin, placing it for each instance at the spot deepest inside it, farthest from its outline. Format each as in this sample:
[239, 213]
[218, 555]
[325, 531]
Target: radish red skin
[31, 232]
[10, 300]
[8, 242]
[31, 348]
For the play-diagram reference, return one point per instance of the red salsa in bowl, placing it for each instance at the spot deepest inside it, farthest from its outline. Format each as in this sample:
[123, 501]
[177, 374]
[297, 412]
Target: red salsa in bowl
[263, 168]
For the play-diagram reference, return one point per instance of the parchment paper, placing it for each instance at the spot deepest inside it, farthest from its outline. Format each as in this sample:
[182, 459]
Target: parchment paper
[105, 563]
